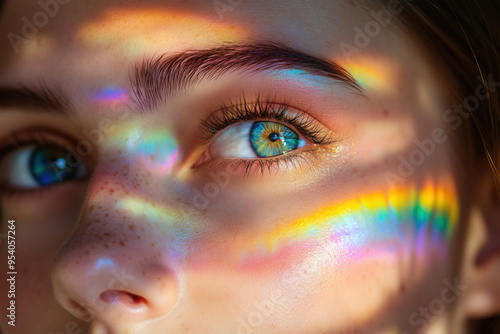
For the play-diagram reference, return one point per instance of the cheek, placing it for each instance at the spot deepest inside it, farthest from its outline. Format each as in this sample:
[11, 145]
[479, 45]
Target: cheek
[37, 241]
[368, 253]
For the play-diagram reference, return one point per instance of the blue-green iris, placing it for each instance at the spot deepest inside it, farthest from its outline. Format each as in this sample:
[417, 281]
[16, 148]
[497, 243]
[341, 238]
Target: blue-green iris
[48, 165]
[269, 139]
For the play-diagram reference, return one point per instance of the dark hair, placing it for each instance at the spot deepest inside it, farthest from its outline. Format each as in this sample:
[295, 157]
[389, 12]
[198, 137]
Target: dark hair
[463, 36]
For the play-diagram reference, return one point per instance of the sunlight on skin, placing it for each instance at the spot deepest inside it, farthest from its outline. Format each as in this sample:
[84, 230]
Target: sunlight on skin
[40, 46]
[143, 29]
[157, 152]
[111, 95]
[429, 212]
[372, 74]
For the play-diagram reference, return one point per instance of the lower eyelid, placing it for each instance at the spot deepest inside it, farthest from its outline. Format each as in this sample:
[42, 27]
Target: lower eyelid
[260, 166]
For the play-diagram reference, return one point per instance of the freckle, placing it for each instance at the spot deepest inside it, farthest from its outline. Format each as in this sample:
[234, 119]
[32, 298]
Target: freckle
[106, 246]
[107, 214]
[122, 244]
[386, 113]
[402, 288]
[111, 190]
[106, 234]
[132, 227]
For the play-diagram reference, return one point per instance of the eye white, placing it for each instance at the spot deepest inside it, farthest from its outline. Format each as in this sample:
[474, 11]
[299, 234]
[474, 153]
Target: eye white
[16, 168]
[233, 142]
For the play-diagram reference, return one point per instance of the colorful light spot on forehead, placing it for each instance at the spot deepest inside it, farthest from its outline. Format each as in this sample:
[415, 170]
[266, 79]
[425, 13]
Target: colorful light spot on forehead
[372, 73]
[423, 217]
[111, 95]
[139, 29]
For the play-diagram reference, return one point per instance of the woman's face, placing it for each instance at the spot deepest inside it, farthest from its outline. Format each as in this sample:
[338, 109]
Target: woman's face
[225, 167]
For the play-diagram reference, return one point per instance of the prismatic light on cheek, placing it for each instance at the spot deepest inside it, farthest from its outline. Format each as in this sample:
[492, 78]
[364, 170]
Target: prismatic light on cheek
[416, 219]
[139, 29]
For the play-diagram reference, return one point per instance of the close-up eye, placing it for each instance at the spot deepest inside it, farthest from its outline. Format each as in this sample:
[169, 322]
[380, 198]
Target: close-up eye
[262, 139]
[36, 166]
[262, 133]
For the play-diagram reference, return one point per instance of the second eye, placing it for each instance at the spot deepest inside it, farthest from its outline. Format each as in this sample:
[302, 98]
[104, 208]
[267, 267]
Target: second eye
[263, 139]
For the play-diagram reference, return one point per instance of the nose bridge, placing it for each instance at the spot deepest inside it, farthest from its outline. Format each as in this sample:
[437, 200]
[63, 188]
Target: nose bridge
[118, 264]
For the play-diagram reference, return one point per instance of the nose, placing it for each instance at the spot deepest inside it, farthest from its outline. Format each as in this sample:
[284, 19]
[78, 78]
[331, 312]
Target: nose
[114, 268]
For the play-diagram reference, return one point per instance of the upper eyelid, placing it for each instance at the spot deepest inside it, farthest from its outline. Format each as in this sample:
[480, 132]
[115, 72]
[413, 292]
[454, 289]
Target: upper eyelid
[42, 136]
[260, 109]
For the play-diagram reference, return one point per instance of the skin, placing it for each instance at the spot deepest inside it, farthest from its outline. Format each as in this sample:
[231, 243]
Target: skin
[242, 263]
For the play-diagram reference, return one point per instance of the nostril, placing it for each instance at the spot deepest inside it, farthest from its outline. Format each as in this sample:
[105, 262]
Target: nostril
[125, 298]
[80, 311]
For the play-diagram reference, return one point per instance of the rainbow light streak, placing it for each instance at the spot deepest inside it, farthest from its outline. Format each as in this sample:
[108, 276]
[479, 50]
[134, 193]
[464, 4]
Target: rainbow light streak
[103, 262]
[417, 218]
[138, 206]
[157, 152]
[371, 74]
[305, 78]
[173, 221]
[111, 95]
[137, 29]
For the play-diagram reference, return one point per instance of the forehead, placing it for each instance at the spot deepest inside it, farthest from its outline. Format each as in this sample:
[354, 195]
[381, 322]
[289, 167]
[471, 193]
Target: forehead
[66, 36]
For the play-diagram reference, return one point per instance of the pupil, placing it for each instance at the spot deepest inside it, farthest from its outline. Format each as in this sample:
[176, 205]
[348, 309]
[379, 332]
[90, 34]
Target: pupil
[273, 136]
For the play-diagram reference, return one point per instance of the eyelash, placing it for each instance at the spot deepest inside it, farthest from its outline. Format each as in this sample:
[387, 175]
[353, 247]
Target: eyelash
[242, 109]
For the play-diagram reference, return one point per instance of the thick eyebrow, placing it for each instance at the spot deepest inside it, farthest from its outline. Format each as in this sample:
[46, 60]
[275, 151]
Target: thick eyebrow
[38, 98]
[155, 79]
